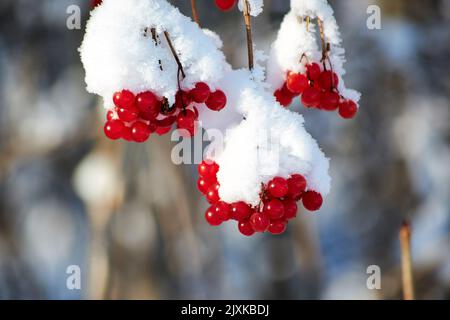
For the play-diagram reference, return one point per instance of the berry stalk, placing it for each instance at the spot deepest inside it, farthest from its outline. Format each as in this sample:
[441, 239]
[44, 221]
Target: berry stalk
[194, 12]
[248, 27]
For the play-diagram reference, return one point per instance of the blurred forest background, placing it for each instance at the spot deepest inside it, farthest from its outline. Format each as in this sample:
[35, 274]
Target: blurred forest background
[134, 222]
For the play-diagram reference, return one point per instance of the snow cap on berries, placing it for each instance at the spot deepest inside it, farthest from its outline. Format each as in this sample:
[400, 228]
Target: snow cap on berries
[118, 51]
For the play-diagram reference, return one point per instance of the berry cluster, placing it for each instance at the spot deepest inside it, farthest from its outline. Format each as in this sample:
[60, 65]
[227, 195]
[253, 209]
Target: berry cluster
[278, 202]
[225, 5]
[318, 89]
[134, 118]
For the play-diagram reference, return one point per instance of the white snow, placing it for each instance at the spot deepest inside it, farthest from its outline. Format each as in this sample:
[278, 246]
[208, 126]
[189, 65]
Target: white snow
[256, 6]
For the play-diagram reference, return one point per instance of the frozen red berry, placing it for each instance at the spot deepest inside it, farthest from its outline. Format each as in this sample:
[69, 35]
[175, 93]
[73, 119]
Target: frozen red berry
[212, 194]
[329, 100]
[282, 98]
[148, 103]
[212, 217]
[313, 71]
[208, 169]
[297, 185]
[296, 82]
[114, 129]
[259, 221]
[277, 187]
[240, 210]
[110, 115]
[274, 209]
[328, 80]
[312, 200]
[277, 227]
[186, 121]
[140, 131]
[245, 227]
[124, 99]
[200, 93]
[348, 109]
[203, 184]
[223, 210]
[225, 5]
[127, 135]
[290, 209]
[311, 97]
[128, 114]
[216, 100]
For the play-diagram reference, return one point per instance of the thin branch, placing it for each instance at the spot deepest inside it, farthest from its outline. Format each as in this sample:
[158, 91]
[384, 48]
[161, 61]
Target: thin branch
[156, 41]
[174, 53]
[407, 272]
[194, 12]
[325, 45]
[248, 27]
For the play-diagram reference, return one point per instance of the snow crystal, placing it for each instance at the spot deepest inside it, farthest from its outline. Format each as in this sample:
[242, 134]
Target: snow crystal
[256, 6]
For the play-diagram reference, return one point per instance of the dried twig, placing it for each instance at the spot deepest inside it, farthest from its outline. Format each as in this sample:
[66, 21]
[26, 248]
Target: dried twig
[407, 272]
[325, 45]
[174, 53]
[194, 12]
[248, 27]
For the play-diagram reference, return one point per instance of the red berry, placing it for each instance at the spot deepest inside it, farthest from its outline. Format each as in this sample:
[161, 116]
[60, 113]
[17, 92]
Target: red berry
[348, 109]
[274, 209]
[297, 185]
[128, 114]
[240, 211]
[245, 227]
[313, 71]
[329, 100]
[290, 209]
[225, 5]
[203, 185]
[259, 221]
[95, 3]
[296, 82]
[208, 169]
[114, 129]
[216, 101]
[328, 80]
[277, 187]
[212, 217]
[312, 200]
[140, 131]
[110, 115]
[124, 99]
[311, 97]
[277, 227]
[212, 195]
[163, 130]
[286, 92]
[200, 93]
[166, 122]
[282, 98]
[148, 103]
[223, 210]
[127, 135]
[186, 121]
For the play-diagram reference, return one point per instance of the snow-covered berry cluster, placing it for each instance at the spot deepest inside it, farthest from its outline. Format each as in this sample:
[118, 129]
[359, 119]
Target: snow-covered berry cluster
[318, 88]
[135, 117]
[277, 202]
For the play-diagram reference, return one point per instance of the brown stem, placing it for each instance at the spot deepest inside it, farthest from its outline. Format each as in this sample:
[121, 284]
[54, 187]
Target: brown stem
[248, 27]
[194, 12]
[407, 273]
[174, 53]
[325, 45]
